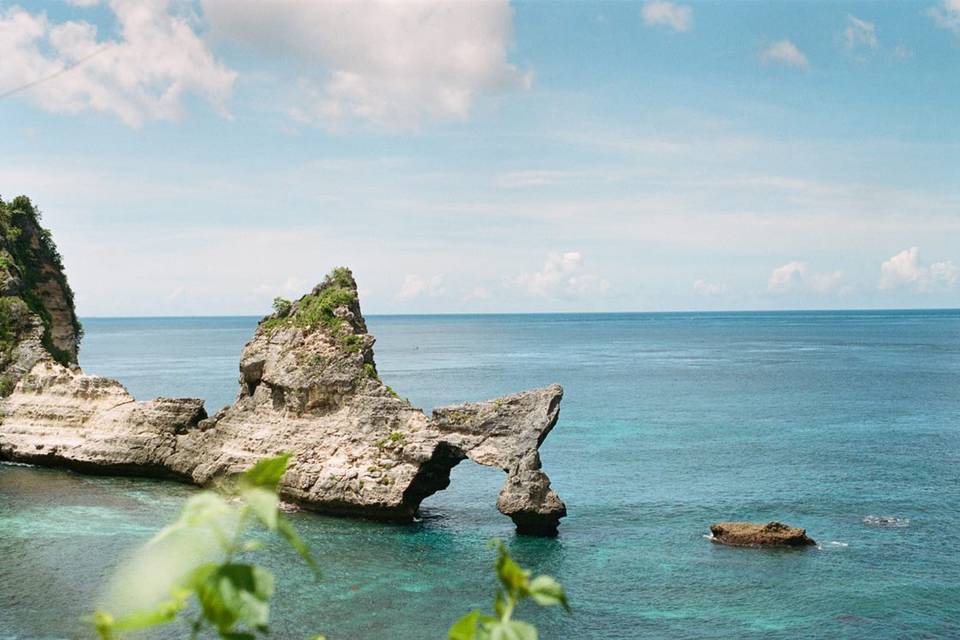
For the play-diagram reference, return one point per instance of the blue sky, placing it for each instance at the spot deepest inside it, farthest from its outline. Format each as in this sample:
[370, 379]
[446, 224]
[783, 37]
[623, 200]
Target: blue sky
[204, 157]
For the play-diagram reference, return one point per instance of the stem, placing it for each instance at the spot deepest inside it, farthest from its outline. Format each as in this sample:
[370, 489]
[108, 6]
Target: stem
[508, 610]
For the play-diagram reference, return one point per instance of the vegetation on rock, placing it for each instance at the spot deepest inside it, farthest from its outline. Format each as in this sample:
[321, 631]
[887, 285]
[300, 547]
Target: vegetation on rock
[318, 308]
[28, 257]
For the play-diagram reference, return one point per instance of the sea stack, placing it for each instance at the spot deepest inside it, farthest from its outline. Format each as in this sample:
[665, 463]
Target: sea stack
[749, 534]
[308, 385]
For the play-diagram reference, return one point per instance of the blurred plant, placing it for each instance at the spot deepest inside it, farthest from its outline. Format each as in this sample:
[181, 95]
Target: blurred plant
[515, 586]
[191, 568]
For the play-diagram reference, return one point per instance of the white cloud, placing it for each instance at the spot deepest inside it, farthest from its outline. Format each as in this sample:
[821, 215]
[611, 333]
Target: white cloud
[946, 15]
[796, 276]
[83, 3]
[394, 64]
[659, 12]
[705, 288]
[904, 270]
[785, 52]
[141, 76]
[415, 286]
[787, 277]
[563, 274]
[860, 33]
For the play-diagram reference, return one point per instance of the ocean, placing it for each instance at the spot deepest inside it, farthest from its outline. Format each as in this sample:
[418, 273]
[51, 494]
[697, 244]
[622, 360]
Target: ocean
[845, 423]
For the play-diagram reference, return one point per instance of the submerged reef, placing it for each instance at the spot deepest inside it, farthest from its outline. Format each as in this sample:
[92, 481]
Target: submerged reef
[308, 385]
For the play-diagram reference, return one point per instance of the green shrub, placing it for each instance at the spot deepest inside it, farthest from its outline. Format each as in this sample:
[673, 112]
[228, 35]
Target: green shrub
[319, 310]
[281, 306]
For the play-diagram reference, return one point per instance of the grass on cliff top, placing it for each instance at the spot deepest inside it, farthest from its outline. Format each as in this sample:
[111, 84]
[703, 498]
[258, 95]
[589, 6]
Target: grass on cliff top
[319, 310]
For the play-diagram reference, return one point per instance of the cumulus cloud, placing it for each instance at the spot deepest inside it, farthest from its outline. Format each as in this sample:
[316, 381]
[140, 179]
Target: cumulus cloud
[784, 52]
[415, 286]
[946, 15]
[905, 270]
[705, 288]
[860, 34]
[659, 12]
[141, 75]
[394, 64]
[795, 276]
[563, 275]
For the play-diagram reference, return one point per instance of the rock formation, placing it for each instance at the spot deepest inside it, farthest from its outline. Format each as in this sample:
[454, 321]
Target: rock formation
[748, 534]
[308, 385]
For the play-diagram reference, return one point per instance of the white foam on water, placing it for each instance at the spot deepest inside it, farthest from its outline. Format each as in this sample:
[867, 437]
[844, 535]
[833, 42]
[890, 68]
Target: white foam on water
[886, 521]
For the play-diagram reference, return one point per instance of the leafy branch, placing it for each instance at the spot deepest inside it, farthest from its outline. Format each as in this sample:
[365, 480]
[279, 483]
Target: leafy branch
[229, 597]
[515, 586]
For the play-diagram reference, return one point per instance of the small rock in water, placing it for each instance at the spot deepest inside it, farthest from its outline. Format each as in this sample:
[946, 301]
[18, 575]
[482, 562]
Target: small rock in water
[749, 534]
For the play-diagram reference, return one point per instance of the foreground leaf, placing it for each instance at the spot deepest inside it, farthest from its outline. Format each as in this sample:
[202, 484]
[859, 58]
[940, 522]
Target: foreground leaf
[465, 628]
[512, 630]
[513, 577]
[233, 594]
[547, 592]
[290, 535]
[265, 505]
[267, 472]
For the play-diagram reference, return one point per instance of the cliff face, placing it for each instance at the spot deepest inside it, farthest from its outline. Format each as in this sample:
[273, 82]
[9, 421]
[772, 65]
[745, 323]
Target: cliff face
[308, 385]
[37, 318]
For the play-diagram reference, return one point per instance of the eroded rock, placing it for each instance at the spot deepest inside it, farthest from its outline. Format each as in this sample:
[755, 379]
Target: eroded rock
[749, 534]
[308, 385]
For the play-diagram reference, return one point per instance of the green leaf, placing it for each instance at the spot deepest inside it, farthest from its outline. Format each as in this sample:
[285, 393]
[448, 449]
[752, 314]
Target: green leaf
[102, 623]
[234, 594]
[547, 592]
[512, 630]
[163, 613]
[205, 509]
[265, 505]
[511, 575]
[466, 627]
[267, 472]
[290, 535]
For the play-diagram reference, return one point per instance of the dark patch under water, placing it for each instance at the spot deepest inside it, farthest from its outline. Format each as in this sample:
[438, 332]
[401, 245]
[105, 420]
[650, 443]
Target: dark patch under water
[847, 424]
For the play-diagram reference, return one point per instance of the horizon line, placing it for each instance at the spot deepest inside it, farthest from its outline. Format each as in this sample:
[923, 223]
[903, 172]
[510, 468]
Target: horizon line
[552, 313]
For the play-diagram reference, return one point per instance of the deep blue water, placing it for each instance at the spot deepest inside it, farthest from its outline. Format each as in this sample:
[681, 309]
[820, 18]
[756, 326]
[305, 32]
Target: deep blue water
[669, 422]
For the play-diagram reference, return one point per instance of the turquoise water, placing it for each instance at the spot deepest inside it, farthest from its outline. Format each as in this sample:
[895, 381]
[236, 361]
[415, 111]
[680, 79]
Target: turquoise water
[670, 422]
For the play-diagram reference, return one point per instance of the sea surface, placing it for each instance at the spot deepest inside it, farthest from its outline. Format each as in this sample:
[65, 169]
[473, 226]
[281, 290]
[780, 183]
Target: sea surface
[846, 423]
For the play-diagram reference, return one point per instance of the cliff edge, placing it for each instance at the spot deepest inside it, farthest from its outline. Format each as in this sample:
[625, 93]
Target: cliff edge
[308, 385]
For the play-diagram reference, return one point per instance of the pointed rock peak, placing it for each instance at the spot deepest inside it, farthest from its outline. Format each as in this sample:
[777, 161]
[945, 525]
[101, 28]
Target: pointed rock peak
[332, 306]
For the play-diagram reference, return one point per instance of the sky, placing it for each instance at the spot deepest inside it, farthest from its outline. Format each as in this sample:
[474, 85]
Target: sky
[201, 158]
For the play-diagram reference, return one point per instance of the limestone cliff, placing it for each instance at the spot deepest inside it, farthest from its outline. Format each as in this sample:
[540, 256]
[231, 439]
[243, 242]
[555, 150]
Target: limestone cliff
[37, 318]
[308, 385]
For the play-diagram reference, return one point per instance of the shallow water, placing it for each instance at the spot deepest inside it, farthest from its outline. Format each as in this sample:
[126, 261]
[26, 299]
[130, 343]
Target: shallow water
[845, 423]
